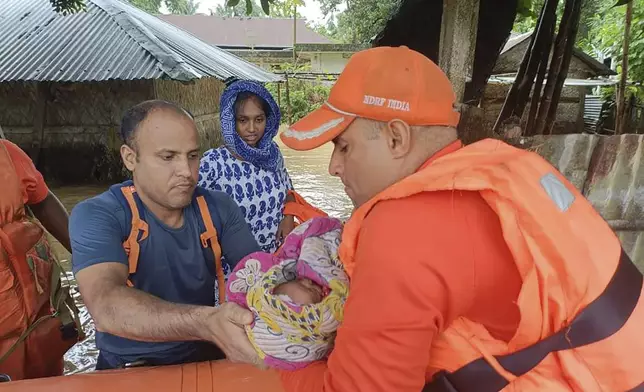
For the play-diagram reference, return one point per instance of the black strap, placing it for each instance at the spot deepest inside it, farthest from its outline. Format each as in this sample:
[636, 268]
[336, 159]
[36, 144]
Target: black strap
[603, 317]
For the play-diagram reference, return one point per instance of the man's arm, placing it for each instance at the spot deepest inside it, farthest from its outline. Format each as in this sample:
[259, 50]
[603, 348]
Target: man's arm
[236, 239]
[53, 215]
[134, 314]
[44, 204]
[100, 266]
[409, 282]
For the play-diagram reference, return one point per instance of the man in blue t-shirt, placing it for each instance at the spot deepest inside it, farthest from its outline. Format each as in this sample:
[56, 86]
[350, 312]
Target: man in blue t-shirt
[168, 317]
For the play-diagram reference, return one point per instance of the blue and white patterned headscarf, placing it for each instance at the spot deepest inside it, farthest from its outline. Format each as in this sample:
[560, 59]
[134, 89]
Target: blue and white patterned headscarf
[267, 154]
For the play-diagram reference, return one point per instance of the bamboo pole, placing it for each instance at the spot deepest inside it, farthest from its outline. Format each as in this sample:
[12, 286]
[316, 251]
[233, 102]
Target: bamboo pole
[538, 86]
[519, 93]
[555, 65]
[562, 72]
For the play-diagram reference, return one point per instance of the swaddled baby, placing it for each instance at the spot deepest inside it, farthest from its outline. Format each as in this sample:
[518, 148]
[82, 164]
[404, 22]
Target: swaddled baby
[297, 295]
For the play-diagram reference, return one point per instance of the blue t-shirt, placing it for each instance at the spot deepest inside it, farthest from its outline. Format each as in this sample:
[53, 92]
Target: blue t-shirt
[171, 264]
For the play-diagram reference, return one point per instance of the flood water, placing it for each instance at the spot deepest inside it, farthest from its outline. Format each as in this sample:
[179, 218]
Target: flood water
[310, 177]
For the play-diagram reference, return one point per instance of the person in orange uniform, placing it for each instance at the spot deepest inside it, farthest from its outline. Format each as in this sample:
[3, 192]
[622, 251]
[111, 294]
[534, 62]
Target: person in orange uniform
[473, 268]
[38, 322]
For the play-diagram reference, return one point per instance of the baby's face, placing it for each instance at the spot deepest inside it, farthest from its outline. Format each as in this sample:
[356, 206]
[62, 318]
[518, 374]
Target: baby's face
[301, 291]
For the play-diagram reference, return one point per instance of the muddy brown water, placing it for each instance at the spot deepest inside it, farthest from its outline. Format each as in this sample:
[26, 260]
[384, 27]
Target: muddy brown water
[310, 177]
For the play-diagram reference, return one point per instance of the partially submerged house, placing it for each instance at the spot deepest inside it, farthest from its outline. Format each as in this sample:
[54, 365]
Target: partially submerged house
[268, 42]
[584, 73]
[66, 80]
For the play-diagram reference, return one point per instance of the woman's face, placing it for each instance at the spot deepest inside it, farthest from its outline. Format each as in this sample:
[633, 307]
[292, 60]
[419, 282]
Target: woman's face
[250, 121]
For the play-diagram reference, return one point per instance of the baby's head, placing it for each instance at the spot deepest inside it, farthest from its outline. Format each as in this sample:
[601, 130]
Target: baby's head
[301, 291]
[297, 295]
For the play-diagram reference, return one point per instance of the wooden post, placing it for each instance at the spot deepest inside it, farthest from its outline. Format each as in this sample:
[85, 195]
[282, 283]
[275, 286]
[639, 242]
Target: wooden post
[558, 67]
[279, 94]
[621, 90]
[294, 31]
[562, 72]
[457, 41]
[289, 112]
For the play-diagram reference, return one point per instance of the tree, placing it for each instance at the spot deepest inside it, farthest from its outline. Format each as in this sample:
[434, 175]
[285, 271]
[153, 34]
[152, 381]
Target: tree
[607, 35]
[68, 6]
[284, 9]
[251, 5]
[359, 22]
[183, 7]
[238, 9]
[186, 7]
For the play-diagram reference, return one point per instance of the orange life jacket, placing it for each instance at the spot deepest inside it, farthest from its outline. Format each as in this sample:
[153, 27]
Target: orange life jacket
[38, 318]
[568, 258]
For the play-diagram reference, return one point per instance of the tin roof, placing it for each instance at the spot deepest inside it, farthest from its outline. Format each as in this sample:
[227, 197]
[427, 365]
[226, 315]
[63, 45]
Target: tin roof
[111, 39]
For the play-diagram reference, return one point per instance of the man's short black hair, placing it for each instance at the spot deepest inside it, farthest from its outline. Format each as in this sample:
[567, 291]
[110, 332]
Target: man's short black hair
[134, 116]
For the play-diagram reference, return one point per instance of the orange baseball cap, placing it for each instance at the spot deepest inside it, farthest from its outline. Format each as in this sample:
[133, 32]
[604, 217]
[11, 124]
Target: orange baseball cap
[382, 83]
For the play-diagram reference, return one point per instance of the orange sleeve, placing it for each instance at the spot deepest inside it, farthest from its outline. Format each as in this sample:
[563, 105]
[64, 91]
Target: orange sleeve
[34, 189]
[412, 277]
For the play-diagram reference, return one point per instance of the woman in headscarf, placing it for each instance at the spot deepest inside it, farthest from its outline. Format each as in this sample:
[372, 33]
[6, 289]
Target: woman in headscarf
[249, 166]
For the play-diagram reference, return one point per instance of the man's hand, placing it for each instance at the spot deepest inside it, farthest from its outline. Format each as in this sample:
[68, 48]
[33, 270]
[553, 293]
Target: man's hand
[226, 328]
[286, 226]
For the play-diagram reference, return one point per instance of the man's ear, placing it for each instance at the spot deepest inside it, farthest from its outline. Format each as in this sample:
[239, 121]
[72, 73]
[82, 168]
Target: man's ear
[128, 155]
[398, 135]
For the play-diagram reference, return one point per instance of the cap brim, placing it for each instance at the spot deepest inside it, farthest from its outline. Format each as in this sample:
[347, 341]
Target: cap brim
[317, 128]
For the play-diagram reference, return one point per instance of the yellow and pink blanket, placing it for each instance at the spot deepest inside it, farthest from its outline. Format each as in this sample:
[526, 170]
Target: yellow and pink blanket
[287, 335]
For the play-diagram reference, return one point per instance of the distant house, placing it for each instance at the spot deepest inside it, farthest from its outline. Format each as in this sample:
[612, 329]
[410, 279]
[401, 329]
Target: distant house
[584, 73]
[267, 42]
[65, 81]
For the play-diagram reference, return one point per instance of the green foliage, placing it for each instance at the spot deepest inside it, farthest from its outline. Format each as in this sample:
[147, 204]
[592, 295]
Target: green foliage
[264, 9]
[279, 9]
[606, 38]
[359, 22]
[238, 10]
[305, 95]
[68, 6]
[187, 7]
[182, 7]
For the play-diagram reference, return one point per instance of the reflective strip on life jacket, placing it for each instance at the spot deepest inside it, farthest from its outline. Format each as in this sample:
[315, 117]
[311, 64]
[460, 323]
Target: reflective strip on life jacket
[211, 235]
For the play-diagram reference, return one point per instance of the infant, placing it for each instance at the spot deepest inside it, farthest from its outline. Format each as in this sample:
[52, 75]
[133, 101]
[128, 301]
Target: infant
[300, 291]
[297, 295]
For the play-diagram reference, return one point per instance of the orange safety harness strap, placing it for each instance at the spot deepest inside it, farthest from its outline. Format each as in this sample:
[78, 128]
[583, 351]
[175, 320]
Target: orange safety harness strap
[301, 209]
[211, 235]
[599, 320]
[131, 244]
[139, 226]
